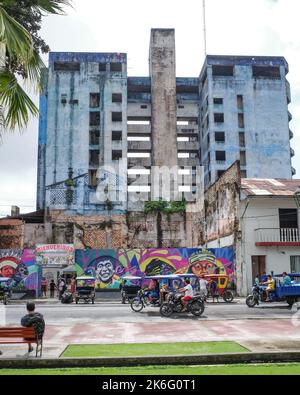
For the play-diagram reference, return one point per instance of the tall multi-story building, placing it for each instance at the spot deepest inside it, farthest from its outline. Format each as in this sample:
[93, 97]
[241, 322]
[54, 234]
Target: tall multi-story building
[93, 114]
[244, 116]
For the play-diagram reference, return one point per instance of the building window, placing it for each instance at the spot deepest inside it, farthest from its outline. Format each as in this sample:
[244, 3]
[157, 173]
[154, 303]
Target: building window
[240, 102]
[116, 117]
[66, 66]
[74, 101]
[218, 117]
[243, 173]
[116, 67]
[94, 158]
[94, 137]
[243, 158]
[222, 71]
[116, 155]
[241, 121]
[116, 98]
[295, 265]
[144, 106]
[220, 156]
[220, 137]
[272, 72]
[94, 118]
[220, 173]
[102, 67]
[116, 135]
[242, 139]
[93, 178]
[181, 107]
[288, 218]
[218, 100]
[94, 100]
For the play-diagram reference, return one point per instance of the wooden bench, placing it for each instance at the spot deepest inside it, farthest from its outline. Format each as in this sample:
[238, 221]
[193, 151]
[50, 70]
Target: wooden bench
[20, 335]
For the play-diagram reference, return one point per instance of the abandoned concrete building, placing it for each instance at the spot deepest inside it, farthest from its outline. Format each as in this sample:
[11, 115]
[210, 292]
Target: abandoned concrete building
[93, 115]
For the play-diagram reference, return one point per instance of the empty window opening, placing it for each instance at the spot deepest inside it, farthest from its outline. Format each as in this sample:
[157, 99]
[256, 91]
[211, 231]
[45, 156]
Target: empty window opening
[218, 117]
[116, 67]
[116, 135]
[66, 66]
[94, 118]
[93, 178]
[240, 102]
[218, 100]
[138, 155]
[243, 158]
[182, 139]
[220, 137]
[144, 106]
[244, 173]
[181, 107]
[139, 171]
[222, 71]
[183, 155]
[94, 137]
[221, 156]
[266, 72]
[94, 157]
[220, 173]
[182, 123]
[241, 121]
[116, 155]
[138, 138]
[116, 98]
[129, 122]
[116, 117]
[94, 100]
[102, 67]
[242, 140]
[75, 101]
[184, 172]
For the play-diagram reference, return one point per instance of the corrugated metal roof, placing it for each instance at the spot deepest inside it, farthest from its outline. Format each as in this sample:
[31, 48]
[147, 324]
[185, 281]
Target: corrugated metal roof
[269, 187]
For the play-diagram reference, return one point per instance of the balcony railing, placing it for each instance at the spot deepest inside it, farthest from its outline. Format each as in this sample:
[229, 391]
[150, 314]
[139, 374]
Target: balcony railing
[276, 236]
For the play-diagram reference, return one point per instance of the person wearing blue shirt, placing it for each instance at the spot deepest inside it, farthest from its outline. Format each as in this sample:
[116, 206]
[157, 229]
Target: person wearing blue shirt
[286, 280]
[264, 277]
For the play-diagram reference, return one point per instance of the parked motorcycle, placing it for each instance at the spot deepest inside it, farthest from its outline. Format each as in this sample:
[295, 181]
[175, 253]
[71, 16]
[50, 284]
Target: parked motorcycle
[67, 298]
[142, 300]
[173, 305]
[257, 295]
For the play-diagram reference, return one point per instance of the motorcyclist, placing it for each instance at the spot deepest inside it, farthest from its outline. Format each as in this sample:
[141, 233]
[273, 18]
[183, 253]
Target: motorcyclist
[270, 283]
[153, 290]
[188, 293]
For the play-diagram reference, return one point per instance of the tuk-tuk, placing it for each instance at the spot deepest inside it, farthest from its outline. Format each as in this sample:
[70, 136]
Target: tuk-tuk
[85, 289]
[5, 289]
[130, 286]
[222, 282]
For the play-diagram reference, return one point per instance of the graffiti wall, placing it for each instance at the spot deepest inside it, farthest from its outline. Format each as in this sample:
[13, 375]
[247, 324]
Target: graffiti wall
[19, 265]
[108, 266]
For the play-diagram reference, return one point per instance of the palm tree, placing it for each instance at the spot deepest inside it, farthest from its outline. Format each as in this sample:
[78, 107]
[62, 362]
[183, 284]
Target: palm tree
[16, 46]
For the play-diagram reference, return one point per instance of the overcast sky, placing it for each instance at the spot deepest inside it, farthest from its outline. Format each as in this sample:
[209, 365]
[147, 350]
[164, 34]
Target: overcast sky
[234, 27]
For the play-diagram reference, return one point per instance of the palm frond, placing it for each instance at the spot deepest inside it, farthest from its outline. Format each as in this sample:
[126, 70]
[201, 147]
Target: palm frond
[16, 103]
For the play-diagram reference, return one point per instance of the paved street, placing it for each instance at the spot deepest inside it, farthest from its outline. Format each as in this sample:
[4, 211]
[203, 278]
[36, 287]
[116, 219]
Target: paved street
[268, 327]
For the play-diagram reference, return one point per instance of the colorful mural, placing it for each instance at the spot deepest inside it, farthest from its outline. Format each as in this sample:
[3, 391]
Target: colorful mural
[20, 267]
[108, 266]
[55, 254]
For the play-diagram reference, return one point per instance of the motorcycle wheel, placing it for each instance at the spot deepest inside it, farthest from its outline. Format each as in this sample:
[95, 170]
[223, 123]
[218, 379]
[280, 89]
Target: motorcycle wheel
[166, 310]
[251, 301]
[228, 296]
[137, 305]
[197, 308]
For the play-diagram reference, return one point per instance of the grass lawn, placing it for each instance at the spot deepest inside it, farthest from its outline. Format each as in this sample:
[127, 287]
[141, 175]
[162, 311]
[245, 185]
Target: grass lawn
[148, 349]
[261, 369]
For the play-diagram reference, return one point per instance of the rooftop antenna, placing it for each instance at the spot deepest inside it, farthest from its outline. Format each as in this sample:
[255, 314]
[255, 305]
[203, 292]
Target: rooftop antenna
[204, 28]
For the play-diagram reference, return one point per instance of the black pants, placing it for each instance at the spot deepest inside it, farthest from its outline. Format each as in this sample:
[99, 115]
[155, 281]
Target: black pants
[51, 293]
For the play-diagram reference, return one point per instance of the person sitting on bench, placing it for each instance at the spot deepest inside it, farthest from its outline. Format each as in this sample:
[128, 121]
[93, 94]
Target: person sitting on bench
[33, 319]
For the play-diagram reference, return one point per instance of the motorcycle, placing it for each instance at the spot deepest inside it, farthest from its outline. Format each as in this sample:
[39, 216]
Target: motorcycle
[142, 300]
[258, 295]
[173, 305]
[67, 298]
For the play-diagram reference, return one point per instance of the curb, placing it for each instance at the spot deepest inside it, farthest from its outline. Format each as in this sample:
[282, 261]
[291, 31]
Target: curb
[212, 359]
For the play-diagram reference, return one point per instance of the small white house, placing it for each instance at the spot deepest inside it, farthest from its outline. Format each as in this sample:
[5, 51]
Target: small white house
[269, 236]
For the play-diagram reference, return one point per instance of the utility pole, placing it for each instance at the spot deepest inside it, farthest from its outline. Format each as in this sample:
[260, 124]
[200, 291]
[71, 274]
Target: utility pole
[204, 28]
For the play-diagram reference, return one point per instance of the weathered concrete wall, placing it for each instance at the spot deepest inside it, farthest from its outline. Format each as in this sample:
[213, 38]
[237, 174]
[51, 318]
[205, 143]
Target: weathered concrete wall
[11, 234]
[163, 91]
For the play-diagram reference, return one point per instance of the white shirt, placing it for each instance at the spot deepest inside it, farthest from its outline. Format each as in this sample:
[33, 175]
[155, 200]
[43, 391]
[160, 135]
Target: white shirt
[189, 290]
[203, 283]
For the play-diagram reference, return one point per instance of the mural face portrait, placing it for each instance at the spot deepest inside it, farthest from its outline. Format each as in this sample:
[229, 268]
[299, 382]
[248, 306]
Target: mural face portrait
[202, 263]
[104, 267]
[158, 267]
[21, 271]
[7, 271]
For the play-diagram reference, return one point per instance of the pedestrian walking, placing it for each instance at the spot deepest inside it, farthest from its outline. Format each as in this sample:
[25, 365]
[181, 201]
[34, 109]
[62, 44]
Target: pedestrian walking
[52, 288]
[61, 288]
[44, 286]
[72, 286]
